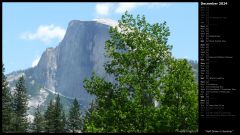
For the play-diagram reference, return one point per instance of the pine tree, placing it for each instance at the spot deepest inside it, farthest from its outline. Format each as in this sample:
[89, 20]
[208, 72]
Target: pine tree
[7, 110]
[55, 119]
[38, 122]
[20, 106]
[58, 124]
[64, 123]
[49, 118]
[75, 121]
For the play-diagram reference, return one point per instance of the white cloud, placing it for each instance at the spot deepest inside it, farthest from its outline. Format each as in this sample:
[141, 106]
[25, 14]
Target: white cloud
[35, 61]
[103, 8]
[119, 8]
[45, 34]
[127, 6]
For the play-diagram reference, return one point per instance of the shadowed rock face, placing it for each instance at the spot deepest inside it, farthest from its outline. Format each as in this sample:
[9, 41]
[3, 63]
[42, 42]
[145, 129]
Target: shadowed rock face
[63, 69]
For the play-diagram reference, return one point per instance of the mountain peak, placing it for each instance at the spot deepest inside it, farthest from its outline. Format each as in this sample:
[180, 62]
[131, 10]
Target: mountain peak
[73, 22]
[107, 21]
[63, 68]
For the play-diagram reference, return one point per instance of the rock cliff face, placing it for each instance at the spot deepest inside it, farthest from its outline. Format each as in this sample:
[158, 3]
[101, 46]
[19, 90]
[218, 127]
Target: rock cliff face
[63, 69]
[79, 54]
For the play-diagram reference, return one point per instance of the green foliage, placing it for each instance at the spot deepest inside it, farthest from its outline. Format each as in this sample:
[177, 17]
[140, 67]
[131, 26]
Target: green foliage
[180, 97]
[145, 72]
[74, 120]
[20, 106]
[194, 65]
[55, 117]
[58, 125]
[64, 123]
[49, 118]
[7, 110]
[89, 118]
[38, 122]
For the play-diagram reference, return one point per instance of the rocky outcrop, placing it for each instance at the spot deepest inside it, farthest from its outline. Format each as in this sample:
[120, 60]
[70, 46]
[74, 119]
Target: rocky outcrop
[63, 69]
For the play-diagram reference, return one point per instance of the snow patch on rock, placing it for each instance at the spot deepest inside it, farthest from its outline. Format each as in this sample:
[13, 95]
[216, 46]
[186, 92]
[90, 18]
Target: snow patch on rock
[13, 77]
[38, 100]
[58, 93]
[30, 118]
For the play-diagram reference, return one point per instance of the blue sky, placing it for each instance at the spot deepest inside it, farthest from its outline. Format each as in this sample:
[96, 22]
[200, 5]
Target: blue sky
[30, 28]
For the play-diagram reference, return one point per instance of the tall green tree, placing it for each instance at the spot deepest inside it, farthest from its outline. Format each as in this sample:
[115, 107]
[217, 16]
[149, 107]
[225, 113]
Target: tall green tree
[7, 110]
[180, 97]
[20, 106]
[138, 53]
[49, 118]
[144, 71]
[58, 122]
[55, 117]
[64, 123]
[38, 122]
[75, 118]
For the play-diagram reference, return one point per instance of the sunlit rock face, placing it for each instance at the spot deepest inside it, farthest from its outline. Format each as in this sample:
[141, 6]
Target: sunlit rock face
[79, 54]
[63, 69]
